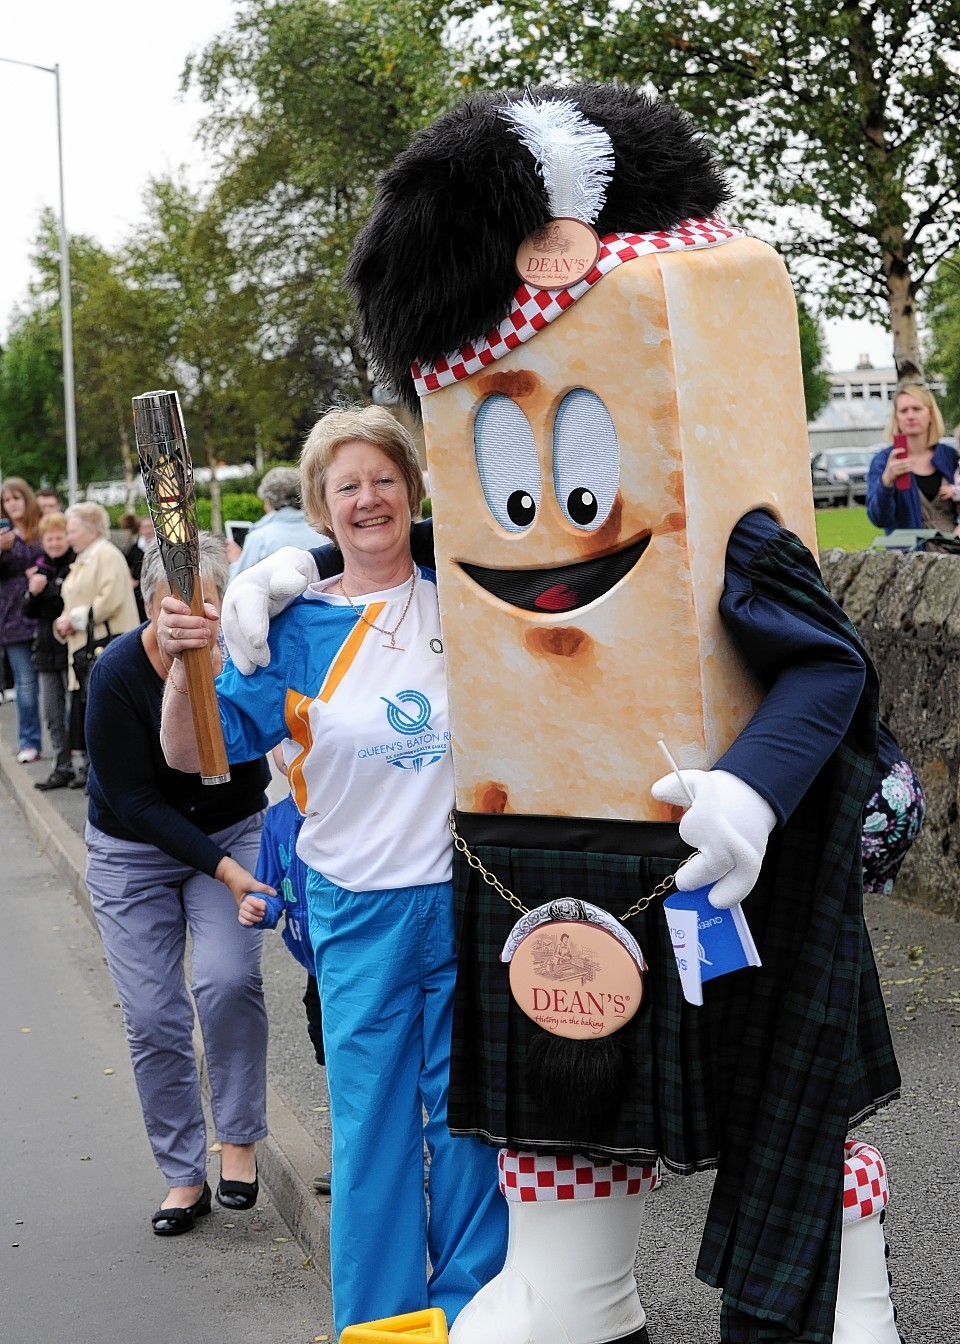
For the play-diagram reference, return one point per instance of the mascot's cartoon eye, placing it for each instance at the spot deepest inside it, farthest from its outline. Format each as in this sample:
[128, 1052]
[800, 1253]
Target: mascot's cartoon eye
[586, 459]
[521, 508]
[507, 462]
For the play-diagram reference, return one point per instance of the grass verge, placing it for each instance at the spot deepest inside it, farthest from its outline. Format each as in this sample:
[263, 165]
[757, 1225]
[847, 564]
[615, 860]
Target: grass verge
[850, 529]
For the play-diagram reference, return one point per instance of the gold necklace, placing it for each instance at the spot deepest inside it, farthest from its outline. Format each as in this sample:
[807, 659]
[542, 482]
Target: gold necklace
[391, 634]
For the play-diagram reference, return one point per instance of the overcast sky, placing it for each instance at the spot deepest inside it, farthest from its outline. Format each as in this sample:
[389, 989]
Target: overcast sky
[124, 121]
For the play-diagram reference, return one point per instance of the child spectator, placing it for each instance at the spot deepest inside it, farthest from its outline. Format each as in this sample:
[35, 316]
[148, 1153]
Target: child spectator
[42, 603]
[278, 866]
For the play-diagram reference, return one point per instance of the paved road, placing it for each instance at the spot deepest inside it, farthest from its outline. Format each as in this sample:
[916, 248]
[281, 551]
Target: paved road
[93, 1238]
[78, 1260]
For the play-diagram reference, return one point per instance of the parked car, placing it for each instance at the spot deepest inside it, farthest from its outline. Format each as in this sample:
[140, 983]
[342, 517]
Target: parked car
[840, 475]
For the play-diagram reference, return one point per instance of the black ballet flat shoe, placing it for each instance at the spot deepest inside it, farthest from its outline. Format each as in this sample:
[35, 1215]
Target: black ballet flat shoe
[238, 1195]
[173, 1222]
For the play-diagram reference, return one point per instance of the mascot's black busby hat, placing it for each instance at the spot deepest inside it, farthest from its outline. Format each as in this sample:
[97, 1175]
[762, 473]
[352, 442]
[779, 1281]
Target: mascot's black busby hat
[434, 266]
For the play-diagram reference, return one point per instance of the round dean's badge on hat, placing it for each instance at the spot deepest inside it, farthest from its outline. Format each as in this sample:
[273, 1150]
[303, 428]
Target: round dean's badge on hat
[574, 970]
[558, 255]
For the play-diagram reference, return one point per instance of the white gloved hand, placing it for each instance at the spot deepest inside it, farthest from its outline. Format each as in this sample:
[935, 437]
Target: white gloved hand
[729, 823]
[258, 594]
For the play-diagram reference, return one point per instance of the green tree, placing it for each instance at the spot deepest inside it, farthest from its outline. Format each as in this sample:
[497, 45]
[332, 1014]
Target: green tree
[207, 321]
[116, 349]
[816, 384]
[113, 358]
[943, 315]
[31, 403]
[840, 116]
[308, 102]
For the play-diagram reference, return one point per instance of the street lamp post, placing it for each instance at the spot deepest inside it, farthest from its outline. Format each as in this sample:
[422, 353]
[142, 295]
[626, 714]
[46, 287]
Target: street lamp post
[66, 307]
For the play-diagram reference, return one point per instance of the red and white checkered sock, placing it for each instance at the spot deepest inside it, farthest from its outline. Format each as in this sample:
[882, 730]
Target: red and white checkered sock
[865, 1187]
[537, 1177]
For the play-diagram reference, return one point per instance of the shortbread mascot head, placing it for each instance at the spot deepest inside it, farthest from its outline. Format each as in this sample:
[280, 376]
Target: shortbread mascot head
[609, 379]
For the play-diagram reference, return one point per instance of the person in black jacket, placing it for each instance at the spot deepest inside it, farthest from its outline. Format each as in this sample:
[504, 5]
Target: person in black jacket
[42, 603]
[164, 855]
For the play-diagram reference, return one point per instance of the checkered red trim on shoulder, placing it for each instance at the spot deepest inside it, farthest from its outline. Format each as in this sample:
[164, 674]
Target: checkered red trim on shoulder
[532, 309]
[530, 1178]
[865, 1187]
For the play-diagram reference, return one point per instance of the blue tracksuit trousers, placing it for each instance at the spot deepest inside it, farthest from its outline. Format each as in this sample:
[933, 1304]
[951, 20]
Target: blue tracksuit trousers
[386, 964]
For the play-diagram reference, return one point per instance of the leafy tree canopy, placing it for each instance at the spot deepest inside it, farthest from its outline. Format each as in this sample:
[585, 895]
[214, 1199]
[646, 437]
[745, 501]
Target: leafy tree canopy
[840, 118]
[943, 314]
[816, 384]
[309, 101]
[31, 403]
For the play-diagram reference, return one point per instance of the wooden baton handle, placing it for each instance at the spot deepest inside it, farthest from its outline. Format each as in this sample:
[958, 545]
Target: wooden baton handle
[214, 768]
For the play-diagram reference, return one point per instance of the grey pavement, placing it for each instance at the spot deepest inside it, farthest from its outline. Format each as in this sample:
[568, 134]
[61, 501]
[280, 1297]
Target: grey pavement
[84, 1181]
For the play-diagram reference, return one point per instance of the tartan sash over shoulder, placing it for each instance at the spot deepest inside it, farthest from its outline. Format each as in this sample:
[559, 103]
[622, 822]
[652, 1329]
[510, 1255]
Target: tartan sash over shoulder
[764, 1081]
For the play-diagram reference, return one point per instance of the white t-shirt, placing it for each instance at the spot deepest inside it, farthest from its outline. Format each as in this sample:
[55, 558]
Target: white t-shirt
[365, 732]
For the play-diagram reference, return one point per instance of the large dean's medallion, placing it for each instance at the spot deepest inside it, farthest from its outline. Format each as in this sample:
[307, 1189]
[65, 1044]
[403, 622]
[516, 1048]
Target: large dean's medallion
[574, 970]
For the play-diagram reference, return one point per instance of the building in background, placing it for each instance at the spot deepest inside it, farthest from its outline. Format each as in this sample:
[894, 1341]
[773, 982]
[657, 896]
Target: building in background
[857, 413]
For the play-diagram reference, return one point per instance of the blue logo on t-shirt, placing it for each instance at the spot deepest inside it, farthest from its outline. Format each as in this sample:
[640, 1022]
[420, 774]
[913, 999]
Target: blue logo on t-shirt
[402, 720]
[408, 713]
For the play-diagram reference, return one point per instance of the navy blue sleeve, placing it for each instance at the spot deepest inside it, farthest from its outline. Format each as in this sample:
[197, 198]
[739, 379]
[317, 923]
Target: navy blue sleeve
[881, 499]
[122, 745]
[812, 670]
[329, 561]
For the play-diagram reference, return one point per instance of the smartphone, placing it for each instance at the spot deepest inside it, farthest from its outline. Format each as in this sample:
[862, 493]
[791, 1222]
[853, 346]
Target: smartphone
[237, 531]
[900, 450]
[5, 525]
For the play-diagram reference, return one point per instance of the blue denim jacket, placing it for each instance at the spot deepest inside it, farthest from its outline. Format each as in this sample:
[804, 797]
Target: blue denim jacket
[890, 508]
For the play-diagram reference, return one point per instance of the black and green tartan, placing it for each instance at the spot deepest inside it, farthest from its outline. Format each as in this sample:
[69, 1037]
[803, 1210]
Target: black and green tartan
[765, 1079]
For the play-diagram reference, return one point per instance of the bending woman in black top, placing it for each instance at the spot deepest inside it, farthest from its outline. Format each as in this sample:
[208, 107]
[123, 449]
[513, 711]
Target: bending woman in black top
[161, 848]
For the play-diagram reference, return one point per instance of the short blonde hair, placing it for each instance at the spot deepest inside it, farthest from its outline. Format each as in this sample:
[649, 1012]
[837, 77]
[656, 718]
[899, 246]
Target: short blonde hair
[94, 517]
[369, 424]
[922, 393]
[51, 522]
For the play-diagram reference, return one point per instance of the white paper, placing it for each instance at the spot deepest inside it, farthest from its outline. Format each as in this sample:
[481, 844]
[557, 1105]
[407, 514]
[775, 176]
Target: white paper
[686, 948]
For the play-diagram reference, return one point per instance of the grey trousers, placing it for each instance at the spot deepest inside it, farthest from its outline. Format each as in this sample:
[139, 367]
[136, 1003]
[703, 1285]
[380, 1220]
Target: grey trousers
[145, 902]
[53, 698]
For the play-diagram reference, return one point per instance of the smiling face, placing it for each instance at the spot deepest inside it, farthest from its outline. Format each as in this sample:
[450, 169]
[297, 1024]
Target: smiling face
[366, 496]
[55, 542]
[584, 490]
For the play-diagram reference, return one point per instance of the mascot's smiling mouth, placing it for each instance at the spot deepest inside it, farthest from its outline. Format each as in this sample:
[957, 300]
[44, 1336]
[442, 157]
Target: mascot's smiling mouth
[565, 588]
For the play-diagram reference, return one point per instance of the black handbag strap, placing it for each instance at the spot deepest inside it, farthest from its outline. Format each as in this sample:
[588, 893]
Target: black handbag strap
[91, 626]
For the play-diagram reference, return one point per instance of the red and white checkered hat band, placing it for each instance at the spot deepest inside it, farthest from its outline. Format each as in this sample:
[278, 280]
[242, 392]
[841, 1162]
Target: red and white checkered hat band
[533, 309]
[865, 1187]
[530, 1178]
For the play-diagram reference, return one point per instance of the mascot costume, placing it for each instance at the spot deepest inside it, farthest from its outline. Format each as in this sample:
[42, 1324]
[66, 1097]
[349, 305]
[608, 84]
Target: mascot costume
[609, 380]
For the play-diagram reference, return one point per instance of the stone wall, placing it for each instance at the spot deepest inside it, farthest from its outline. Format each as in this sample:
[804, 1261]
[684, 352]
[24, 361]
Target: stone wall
[906, 607]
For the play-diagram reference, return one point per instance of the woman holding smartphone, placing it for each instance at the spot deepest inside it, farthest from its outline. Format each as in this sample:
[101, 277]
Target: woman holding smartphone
[910, 483]
[20, 550]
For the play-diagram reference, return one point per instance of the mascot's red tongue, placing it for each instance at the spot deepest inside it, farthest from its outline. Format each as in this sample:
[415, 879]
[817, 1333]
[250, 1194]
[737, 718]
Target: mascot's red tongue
[558, 597]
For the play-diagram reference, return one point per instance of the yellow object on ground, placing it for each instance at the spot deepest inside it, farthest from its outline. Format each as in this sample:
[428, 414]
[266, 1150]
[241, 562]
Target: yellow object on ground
[430, 1325]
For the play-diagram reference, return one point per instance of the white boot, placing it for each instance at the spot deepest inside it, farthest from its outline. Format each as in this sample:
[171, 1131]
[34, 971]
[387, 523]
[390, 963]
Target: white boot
[568, 1276]
[864, 1309]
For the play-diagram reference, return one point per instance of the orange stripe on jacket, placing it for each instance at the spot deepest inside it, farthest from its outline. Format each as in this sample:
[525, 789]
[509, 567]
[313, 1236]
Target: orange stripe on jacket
[351, 647]
[296, 710]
